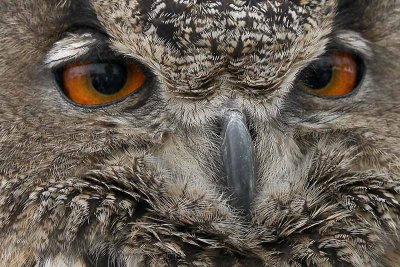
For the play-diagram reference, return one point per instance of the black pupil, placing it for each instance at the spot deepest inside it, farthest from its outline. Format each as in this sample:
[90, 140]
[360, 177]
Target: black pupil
[108, 78]
[318, 75]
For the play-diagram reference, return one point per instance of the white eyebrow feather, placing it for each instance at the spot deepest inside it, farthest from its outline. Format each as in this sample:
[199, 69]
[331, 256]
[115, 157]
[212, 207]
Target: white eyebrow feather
[61, 261]
[354, 40]
[72, 47]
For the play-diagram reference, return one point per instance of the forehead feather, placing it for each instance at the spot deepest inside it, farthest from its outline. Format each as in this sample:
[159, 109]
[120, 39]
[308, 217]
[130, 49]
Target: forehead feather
[259, 40]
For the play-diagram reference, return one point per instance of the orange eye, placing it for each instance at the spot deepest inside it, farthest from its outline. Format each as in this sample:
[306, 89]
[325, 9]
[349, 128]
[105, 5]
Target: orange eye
[101, 83]
[333, 76]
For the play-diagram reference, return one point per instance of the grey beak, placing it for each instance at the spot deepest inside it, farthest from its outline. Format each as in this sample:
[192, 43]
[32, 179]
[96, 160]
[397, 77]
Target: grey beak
[238, 159]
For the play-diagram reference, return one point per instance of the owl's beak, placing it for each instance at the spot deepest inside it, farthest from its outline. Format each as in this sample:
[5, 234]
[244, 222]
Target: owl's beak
[238, 159]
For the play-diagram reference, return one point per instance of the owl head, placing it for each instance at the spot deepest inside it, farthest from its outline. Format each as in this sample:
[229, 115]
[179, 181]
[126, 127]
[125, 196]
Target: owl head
[199, 133]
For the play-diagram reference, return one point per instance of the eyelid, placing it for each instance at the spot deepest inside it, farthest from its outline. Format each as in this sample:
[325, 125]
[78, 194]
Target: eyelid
[74, 46]
[354, 41]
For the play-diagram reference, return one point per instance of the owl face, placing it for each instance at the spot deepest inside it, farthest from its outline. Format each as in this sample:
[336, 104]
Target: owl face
[154, 133]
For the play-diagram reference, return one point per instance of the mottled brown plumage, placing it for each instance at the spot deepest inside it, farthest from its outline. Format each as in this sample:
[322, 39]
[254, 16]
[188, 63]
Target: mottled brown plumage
[140, 182]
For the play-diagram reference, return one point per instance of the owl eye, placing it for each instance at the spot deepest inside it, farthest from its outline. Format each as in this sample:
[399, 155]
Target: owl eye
[333, 75]
[99, 83]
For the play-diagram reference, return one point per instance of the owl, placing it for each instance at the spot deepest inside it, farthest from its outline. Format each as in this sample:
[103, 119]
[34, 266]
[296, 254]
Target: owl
[199, 133]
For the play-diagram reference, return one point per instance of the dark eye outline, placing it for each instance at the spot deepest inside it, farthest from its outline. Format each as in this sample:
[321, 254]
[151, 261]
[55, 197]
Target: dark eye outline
[361, 71]
[112, 58]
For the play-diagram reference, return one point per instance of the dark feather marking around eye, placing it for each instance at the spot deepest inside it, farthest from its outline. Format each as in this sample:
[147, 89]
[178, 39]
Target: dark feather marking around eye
[81, 15]
[140, 99]
[100, 261]
[350, 12]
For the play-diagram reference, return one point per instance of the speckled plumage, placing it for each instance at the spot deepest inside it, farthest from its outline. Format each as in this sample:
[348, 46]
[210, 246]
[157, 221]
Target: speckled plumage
[139, 183]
